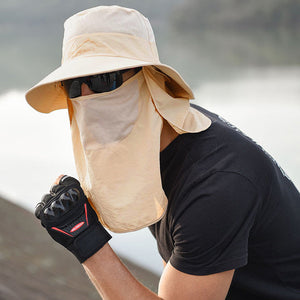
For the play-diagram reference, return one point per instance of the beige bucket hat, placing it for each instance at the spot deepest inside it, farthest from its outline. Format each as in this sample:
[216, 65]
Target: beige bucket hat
[123, 39]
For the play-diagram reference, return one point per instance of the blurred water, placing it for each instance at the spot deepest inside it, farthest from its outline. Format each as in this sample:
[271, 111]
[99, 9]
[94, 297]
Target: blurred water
[36, 148]
[264, 104]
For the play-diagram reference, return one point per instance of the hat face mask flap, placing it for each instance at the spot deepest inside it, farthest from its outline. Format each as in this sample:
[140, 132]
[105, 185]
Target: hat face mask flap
[107, 117]
[120, 173]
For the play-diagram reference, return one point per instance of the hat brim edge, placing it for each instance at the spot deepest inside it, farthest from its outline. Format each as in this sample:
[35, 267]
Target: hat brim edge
[48, 95]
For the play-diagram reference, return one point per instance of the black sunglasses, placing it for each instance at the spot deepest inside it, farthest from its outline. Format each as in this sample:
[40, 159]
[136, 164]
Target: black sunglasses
[99, 83]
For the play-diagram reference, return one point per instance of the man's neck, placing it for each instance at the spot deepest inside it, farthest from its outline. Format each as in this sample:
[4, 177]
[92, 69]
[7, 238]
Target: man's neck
[168, 134]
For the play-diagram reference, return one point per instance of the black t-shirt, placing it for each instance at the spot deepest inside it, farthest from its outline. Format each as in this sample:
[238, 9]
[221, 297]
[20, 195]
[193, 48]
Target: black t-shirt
[230, 207]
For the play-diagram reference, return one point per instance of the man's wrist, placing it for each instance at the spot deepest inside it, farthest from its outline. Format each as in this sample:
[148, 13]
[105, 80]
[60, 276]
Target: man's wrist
[89, 242]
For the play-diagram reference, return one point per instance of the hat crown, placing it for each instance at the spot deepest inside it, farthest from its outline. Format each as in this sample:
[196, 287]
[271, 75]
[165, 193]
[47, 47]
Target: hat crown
[100, 40]
[108, 19]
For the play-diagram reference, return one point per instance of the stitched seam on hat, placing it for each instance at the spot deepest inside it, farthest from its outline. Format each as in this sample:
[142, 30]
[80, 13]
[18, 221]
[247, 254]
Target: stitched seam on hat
[105, 33]
[128, 57]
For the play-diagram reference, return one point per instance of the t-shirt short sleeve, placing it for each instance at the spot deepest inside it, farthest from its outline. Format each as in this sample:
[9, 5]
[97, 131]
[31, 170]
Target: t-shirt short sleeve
[212, 219]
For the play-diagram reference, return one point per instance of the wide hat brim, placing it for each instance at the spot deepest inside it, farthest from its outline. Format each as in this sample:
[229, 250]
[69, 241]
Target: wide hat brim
[49, 95]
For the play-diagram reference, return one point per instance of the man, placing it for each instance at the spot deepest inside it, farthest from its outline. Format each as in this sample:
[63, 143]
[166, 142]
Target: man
[225, 216]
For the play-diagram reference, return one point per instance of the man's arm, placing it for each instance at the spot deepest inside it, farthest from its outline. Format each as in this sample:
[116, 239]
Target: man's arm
[178, 285]
[70, 220]
[114, 281]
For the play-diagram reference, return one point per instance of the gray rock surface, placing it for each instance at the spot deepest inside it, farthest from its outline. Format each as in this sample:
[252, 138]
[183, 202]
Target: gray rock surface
[34, 267]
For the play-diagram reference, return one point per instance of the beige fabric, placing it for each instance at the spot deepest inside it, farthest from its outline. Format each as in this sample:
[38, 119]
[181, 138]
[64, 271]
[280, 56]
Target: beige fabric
[121, 178]
[99, 40]
[116, 135]
[109, 44]
[171, 104]
[107, 117]
[117, 148]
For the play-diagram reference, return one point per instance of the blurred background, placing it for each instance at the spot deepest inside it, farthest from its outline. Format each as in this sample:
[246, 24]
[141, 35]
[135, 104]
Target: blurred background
[242, 59]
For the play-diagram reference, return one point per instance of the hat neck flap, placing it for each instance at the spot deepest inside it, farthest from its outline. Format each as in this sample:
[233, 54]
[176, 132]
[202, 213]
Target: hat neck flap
[172, 103]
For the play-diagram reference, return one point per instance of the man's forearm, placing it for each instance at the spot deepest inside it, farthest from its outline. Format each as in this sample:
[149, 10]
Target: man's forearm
[112, 279]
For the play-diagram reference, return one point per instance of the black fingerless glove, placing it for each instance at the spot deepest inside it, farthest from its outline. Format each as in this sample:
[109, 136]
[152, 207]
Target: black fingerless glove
[70, 220]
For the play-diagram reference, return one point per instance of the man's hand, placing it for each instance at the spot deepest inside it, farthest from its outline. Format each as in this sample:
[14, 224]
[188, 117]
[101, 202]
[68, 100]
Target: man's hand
[70, 220]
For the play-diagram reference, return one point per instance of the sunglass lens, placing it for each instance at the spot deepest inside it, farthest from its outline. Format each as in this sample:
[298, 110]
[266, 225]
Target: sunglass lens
[103, 82]
[100, 83]
[74, 89]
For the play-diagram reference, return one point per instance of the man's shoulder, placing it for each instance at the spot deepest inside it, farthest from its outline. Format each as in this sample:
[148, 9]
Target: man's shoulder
[230, 142]
[223, 147]
[226, 132]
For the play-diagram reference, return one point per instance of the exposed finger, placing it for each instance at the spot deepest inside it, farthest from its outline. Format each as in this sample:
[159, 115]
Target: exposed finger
[56, 185]
[58, 179]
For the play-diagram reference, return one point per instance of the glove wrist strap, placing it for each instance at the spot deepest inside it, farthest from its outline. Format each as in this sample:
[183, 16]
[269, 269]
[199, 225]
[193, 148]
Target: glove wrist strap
[89, 242]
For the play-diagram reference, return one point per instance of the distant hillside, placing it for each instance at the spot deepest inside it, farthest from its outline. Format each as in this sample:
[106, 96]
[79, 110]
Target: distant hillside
[238, 15]
[41, 16]
[202, 39]
[34, 14]
[31, 34]
[34, 267]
